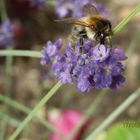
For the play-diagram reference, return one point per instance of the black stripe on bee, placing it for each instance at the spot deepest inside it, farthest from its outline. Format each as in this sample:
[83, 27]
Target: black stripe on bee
[83, 33]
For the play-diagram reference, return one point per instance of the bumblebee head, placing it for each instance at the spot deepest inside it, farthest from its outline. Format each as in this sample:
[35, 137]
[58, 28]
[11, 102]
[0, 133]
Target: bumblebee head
[104, 37]
[103, 31]
[104, 34]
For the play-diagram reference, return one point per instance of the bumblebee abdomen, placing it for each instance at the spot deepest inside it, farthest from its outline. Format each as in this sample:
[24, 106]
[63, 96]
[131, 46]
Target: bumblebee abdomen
[78, 32]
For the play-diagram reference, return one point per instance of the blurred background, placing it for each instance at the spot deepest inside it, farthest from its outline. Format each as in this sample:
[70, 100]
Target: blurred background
[26, 81]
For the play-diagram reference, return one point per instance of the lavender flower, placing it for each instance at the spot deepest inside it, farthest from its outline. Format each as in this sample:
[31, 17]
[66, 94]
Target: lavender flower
[50, 51]
[61, 9]
[74, 7]
[101, 8]
[100, 52]
[6, 33]
[77, 12]
[83, 82]
[89, 65]
[65, 77]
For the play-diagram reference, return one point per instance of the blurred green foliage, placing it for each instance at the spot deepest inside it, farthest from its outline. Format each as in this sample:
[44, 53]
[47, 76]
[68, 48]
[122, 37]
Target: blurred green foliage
[121, 131]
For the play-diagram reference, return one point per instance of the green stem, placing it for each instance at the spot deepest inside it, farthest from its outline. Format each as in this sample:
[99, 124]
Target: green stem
[8, 66]
[133, 43]
[114, 114]
[134, 12]
[27, 110]
[22, 53]
[3, 10]
[9, 119]
[44, 100]
[8, 83]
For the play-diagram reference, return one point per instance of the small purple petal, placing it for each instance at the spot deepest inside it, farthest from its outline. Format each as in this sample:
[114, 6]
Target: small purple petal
[87, 44]
[78, 7]
[51, 49]
[102, 80]
[77, 70]
[6, 33]
[45, 60]
[77, 48]
[119, 54]
[65, 77]
[56, 68]
[59, 43]
[69, 51]
[81, 61]
[106, 80]
[101, 53]
[117, 69]
[117, 81]
[83, 84]
[61, 11]
[63, 8]
[101, 8]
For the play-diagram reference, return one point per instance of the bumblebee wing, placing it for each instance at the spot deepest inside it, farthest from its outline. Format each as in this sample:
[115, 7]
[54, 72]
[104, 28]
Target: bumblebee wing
[67, 20]
[90, 10]
[81, 21]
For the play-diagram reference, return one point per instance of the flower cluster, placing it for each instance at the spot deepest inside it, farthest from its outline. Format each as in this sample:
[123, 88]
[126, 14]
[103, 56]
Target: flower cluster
[74, 7]
[88, 65]
[6, 33]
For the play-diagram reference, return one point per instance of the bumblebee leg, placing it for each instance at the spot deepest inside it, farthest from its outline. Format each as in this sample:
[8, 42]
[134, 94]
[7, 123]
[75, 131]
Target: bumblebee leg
[81, 41]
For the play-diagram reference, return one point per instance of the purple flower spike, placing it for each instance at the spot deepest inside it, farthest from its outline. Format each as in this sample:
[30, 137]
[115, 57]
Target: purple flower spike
[102, 78]
[117, 81]
[119, 54]
[65, 77]
[69, 51]
[89, 65]
[45, 59]
[6, 33]
[59, 43]
[64, 7]
[78, 7]
[101, 8]
[75, 8]
[83, 84]
[101, 53]
[50, 51]
[61, 10]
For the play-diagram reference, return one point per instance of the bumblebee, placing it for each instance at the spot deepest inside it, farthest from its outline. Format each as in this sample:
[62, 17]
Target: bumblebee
[92, 25]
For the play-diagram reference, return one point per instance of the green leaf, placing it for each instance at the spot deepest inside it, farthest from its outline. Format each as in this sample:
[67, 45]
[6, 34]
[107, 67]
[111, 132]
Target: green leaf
[121, 132]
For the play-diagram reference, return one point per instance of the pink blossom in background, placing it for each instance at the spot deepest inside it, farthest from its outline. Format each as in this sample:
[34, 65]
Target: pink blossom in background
[65, 122]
